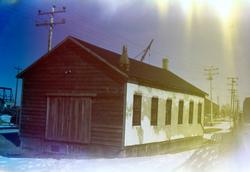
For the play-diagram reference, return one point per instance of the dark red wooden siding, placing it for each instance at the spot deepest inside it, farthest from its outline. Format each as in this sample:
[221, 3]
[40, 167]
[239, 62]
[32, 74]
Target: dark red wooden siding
[65, 72]
[68, 118]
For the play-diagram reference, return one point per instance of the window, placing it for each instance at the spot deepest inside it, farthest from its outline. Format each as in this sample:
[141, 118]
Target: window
[191, 112]
[199, 113]
[180, 112]
[168, 112]
[137, 110]
[154, 110]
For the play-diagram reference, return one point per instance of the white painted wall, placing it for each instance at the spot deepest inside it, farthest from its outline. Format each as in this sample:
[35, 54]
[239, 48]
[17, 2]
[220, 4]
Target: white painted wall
[145, 133]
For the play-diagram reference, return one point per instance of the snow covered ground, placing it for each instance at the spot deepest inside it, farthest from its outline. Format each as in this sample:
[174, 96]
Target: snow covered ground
[160, 163]
[231, 154]
[223, 126]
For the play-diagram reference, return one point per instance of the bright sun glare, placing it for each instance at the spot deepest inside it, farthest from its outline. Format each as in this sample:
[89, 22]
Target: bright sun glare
[225, 11]
[224, 8]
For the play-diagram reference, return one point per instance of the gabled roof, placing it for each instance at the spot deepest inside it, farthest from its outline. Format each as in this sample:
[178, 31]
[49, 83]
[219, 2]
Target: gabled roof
[139, 72]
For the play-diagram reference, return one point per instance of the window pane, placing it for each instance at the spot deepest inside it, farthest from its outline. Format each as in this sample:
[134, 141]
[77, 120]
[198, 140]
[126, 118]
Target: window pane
[168, 111]
[137, 110]
[180, 112]
[154, 111]
[191, 112]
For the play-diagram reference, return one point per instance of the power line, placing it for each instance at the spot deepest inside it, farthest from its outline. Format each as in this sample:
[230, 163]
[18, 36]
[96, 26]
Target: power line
[144, 52]
[92, 27]
[211, 71]
[51, 23]
[97, 28]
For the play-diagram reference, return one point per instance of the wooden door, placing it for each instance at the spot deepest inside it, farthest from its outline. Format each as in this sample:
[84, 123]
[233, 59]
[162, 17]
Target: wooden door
[68, 119]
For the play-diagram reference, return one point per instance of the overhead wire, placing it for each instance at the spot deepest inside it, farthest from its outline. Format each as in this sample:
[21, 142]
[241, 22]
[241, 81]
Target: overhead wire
[92, 29]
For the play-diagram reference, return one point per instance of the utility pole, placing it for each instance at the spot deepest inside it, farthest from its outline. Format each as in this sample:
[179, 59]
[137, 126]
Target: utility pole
[18, 69]
[211, 71]
[233, 91]
[51, 22]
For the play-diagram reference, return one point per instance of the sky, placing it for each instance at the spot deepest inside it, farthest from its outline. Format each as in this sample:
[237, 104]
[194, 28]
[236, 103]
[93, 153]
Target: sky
[192, 34]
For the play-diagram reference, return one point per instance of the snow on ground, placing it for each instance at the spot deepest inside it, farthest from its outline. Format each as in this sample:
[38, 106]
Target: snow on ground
[224, 126]
[238, 159]
[208, 136]
[231, 154]
[159, 163]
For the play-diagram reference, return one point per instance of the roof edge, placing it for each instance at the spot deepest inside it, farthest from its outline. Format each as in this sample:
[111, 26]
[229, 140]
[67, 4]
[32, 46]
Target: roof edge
[19, 75]
[98, 57]
[75, 41]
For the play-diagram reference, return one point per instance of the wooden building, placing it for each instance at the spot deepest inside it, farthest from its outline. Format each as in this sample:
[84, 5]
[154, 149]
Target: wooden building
[80, 97]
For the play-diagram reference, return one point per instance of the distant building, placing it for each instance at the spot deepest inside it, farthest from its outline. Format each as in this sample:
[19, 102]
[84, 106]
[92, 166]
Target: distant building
[6, 98]
[207, 111]
[246, 110]
[83, 97]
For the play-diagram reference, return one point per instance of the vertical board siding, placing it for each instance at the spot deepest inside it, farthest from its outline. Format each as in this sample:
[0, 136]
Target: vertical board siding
[52, 76]
[68, 119]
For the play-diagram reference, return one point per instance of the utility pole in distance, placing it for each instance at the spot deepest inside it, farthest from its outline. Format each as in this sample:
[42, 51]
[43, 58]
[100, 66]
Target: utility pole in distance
[51, 22]
[233, 91]
[18, 69]
[211, 71]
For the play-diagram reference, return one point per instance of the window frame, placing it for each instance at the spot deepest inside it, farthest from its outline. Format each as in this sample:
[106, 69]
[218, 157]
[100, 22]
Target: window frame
[154, 111]
[168, 112]
[191, 112]
[137, 110]
[199, 113]
[180, 112]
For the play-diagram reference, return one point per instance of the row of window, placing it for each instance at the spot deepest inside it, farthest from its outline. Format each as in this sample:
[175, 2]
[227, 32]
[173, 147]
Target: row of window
[137, 103]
